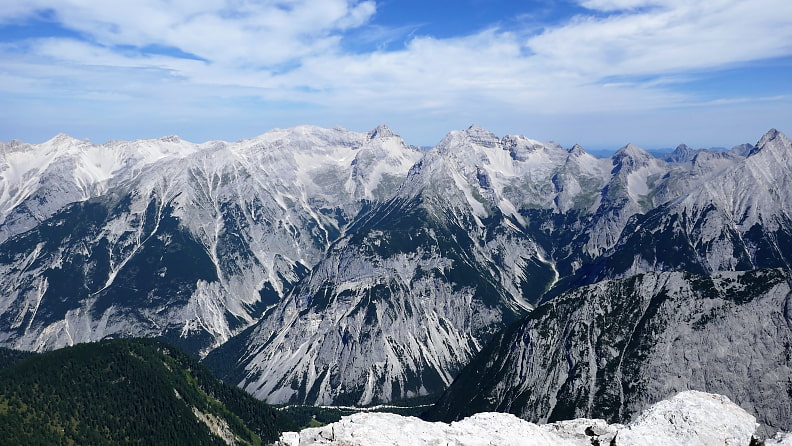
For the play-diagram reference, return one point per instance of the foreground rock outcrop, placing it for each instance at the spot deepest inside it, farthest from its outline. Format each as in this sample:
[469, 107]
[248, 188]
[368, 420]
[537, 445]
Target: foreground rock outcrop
[689, 418]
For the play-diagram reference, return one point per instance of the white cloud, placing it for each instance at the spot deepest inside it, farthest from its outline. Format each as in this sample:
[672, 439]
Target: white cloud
[618, 5]
[629, 56]
[677, 36]
[234, 32]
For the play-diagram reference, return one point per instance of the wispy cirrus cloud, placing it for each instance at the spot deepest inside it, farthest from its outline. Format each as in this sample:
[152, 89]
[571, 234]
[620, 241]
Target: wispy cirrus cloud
[229, 32]
[654, 37]
[289, 60]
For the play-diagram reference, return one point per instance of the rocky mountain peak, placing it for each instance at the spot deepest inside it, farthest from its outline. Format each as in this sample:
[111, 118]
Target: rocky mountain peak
[632, 151]
[631, 157]
[520, 148]
[773, 141]
[769, 136]
[481, 136]
[62, 139]
[170, 139]
[682, 154]
[381, 131]
[741, 150]
[576, 150]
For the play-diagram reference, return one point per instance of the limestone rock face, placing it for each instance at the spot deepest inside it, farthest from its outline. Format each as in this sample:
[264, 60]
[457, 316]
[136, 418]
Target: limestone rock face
[326, 266]
[689, 418]
[611, 349]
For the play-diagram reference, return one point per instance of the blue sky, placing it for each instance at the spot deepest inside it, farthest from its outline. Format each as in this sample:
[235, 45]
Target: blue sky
[601, 73]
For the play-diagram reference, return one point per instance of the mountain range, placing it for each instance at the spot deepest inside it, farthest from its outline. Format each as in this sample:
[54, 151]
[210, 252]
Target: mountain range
[325, 266]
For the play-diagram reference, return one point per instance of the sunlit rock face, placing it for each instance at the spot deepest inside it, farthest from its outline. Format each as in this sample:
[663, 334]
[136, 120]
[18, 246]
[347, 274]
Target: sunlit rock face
[688, 418]
[168, 238]
[611, 349]
[328, 266]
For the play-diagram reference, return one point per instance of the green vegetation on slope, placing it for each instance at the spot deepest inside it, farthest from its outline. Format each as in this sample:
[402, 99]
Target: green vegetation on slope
[9, 356]
[127, 391]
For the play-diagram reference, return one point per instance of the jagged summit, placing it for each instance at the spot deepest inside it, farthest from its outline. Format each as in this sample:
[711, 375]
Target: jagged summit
[741, 150]
[381, 131]
[63, 138]
[775, 141]
[481, 136]
[170, 139]
[682, 154]
[576, 150]
[770, 135]
[632, 151]
[631, 157]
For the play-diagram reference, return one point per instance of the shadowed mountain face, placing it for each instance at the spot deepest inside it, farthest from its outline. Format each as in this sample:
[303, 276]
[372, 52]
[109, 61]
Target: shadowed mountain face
[193, 246]
[328, 266]
[611, 349]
